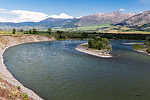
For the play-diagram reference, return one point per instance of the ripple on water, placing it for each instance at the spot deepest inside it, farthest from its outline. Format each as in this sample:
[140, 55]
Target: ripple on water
[56, 71]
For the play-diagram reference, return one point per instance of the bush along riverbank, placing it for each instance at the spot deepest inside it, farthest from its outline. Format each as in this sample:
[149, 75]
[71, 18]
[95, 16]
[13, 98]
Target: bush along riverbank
[98, 46]
[10, 88]
[144, 48]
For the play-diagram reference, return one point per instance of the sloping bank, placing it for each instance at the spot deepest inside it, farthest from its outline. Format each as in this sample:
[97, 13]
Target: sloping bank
[8, 41]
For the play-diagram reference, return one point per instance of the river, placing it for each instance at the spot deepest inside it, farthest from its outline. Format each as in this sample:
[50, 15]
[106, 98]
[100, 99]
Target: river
[56, 71]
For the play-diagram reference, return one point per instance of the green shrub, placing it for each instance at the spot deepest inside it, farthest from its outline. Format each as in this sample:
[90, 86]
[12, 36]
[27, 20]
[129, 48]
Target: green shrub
[18, 87]
[148, 50]
[138, 47]
[90, 43]
[25, 96]
[147, 42]
[99, 43]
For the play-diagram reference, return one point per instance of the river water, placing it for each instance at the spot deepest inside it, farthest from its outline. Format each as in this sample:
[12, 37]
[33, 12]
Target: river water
[56, 71]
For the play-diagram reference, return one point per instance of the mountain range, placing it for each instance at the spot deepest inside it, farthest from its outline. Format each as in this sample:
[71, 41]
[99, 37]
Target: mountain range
[130, 20]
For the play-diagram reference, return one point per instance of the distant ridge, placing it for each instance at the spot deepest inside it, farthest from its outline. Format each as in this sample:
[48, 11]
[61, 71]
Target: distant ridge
[137, 20]
[102, 18]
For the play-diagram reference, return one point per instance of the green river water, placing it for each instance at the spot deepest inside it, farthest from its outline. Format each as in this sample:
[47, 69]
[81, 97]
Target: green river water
[56, 71]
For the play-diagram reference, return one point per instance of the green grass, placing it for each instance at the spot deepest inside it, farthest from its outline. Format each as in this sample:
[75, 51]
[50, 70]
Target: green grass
[94, 27]
[138, 47]
[85, 28]
[106, 28]
[4, 32]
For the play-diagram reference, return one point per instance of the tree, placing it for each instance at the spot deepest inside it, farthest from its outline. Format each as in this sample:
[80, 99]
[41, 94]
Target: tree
[59, 34]
[100, 44]
[30, 32]
[35, 31]
[21, 30]
[148, 50]
[49, 31]
[84, 35]
[147, 43]
[13, 31]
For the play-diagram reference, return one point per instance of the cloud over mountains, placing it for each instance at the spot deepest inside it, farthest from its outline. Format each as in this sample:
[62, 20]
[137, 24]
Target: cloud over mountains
[27, 16]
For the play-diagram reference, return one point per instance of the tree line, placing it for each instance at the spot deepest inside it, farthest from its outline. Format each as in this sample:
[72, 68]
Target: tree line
[86, 35]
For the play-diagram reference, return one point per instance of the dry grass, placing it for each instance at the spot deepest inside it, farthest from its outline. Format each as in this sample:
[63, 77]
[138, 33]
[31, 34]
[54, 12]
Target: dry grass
[9, 92]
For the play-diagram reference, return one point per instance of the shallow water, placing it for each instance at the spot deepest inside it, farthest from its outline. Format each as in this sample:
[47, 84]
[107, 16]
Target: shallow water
[56, 71]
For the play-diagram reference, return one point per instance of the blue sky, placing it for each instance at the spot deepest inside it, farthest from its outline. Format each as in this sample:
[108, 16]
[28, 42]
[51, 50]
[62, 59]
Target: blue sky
[74, 8]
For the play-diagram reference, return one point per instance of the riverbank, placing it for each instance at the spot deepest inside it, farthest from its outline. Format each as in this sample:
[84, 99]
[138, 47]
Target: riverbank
[5, 75]
[138, 50]
[99, 53]
[142, 51]
[132, 43]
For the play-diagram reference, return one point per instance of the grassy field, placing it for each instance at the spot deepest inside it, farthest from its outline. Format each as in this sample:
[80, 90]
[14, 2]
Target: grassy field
[5, 32]
[86, 28]
[102, 28]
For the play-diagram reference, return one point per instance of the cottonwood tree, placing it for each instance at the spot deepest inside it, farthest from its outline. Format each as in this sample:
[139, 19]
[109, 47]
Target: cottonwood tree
[49, 31]
[35, 31]
[60, 34]
[30, 32]
[13, 31]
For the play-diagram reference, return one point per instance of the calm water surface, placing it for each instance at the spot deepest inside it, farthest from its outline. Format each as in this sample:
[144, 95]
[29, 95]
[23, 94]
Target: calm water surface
[56, 71]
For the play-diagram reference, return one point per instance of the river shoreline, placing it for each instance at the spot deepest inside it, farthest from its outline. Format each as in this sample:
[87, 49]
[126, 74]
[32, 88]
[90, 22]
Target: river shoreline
[98, 53]
[140, 51]
[9, 41]
[132, 43]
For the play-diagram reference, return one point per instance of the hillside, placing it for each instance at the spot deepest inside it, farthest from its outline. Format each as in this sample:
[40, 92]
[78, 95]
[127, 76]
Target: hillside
[137, 20]
[102, 18]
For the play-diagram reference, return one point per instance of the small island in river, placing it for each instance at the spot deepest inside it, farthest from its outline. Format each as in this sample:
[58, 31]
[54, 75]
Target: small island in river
[99, 47]
[143, 47]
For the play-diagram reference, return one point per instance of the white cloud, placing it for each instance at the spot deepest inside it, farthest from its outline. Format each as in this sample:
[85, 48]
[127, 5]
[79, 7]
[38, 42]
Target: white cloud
[62, 15]
[22, 16]
[1, 9]
[26, 16]
[122, 9]
[3, 20]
